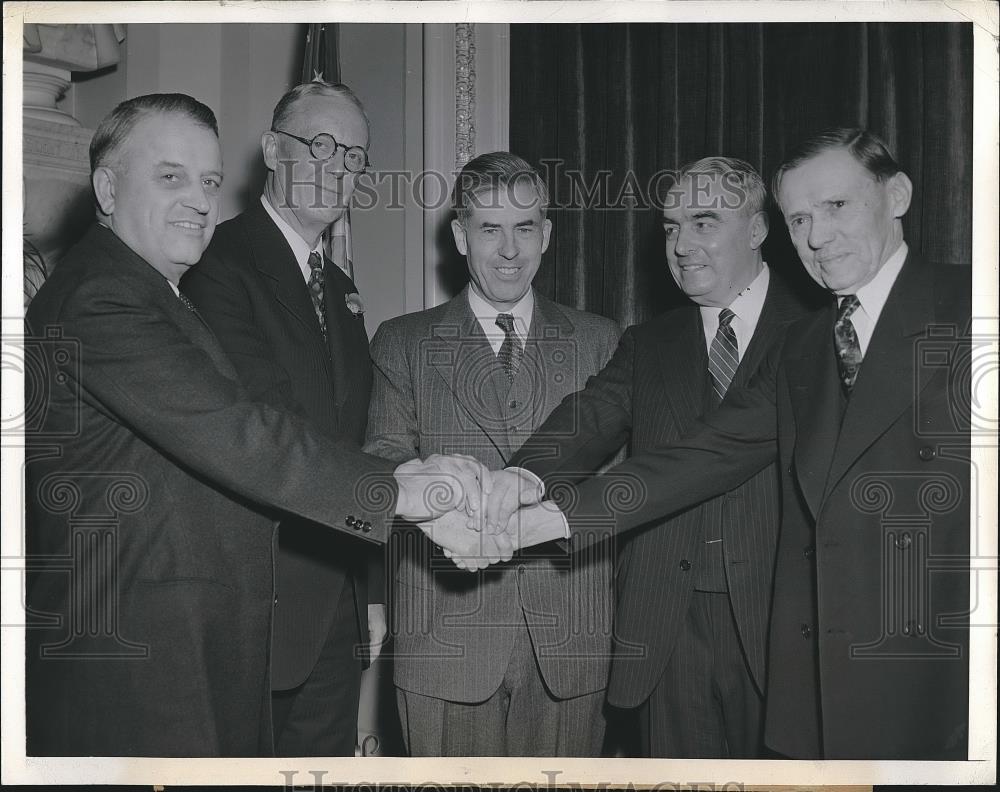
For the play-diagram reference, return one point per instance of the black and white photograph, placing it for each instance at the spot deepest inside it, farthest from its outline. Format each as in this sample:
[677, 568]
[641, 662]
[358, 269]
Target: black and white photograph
[500, 394]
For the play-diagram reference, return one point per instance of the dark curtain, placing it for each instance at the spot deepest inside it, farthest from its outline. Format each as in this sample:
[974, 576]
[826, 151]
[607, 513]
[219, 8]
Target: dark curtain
[603, 108]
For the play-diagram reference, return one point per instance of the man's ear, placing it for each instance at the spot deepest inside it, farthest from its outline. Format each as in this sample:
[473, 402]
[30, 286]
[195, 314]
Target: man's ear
[105, 186]
[900, 190]
[269, 146]
[458, 231]
[759, 227]
[546, 231]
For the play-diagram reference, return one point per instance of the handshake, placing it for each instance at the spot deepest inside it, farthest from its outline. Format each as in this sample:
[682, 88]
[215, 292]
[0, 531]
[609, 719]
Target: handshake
[477, 516]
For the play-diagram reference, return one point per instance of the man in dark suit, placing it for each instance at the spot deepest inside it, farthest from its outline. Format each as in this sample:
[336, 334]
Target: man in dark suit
[150, 582]
[281, 311]
[513, 661]
[694, 592]
[867, 410]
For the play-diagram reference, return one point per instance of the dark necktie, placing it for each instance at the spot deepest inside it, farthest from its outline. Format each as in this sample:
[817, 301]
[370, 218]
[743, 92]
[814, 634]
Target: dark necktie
[845, 340]
[723, 355]
[510, 350]
[316, 283]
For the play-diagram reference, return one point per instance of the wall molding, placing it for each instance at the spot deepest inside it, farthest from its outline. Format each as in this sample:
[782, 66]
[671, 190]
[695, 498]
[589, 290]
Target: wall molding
[466, 112]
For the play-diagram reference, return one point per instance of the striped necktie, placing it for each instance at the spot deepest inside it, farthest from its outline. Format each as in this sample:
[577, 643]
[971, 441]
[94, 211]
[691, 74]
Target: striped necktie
[723, 355]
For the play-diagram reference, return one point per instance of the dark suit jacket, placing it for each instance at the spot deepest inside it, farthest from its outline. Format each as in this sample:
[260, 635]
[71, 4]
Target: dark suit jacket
[868, 646]
[152, 582]
[440, 389]
[250, 290]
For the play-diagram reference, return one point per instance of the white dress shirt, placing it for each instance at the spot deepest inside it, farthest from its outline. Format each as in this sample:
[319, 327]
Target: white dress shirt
[872, 297]
[486, 314]
[747, 306]
[298, 245]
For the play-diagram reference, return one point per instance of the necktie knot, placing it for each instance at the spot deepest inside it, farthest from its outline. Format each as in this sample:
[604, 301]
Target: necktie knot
[505, 322]
[510, 350]
[726, 317]
[848, 305]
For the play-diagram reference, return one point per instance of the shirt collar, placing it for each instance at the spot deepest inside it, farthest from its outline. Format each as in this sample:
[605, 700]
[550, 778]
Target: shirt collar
[747, 305]
[873, 294]
[298, 245]
[487, 314]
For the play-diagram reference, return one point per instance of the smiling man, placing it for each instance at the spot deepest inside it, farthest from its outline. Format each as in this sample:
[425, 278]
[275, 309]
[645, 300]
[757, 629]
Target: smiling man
[513, 661]
[282, 311]
[694, 592]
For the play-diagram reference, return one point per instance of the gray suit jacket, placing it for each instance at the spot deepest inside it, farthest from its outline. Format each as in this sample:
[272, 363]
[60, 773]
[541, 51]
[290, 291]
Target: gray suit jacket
[439, 389]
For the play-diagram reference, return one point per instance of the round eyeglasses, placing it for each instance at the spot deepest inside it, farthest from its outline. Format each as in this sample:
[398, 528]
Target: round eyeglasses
[324, 146]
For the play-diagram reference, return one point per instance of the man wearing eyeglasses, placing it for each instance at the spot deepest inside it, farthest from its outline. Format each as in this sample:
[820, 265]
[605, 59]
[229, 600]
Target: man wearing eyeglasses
[289, 320]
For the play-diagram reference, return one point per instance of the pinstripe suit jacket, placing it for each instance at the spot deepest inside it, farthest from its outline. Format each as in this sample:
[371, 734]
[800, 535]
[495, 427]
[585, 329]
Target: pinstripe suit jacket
[653, 391]
[439, 389]
[669, 387]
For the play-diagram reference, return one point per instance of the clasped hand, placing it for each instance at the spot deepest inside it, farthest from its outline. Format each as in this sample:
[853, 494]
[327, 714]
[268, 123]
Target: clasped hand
[464, 507]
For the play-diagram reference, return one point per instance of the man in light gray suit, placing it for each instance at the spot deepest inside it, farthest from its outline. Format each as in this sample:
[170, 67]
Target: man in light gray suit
[514, 660]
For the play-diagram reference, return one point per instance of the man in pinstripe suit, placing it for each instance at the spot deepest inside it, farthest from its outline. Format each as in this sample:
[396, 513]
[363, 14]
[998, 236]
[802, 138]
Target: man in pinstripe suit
[514, 660]
[694, 591]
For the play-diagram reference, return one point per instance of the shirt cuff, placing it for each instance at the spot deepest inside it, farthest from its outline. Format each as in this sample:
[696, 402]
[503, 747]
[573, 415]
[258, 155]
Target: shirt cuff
[532, 476]
[565, 522]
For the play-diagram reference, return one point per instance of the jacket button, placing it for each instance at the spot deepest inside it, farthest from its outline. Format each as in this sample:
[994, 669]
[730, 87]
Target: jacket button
[806, 631]
[512, 404]
[366, 526]
[275, 600]
[809, 552]
[926, 453]
[903, 540]
[349, 522]
[685, 564]
[521, 570]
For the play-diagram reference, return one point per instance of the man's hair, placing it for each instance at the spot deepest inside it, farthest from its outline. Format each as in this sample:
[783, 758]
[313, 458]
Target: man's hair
[285, 108]
[867, 148]
[740, 178]
[114, 130]
[498, 170]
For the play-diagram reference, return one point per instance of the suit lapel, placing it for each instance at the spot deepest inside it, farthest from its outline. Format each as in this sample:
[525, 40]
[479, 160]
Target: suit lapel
[346, 337]
[464, 359]
[778, 311]
[885, 384]
[123, 257]
[274, 259]
[814, 390]
[683, 366]
[550, 357]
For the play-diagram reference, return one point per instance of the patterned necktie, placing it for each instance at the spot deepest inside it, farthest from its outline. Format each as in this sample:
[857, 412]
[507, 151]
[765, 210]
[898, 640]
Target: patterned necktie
[316, 283]
[510, 350]
[186, 301]
[723, 355]
[845, 340]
